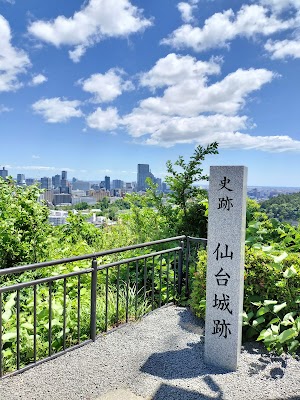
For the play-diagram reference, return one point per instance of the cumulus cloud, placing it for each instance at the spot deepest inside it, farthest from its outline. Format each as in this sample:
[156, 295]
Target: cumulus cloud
[174, 68]
[192, 97]
[97, 20]
[278, 6]
[103, 120]
[106, 87]
[38, 80]
[55, 109]
[191, 110]
[13, 61]
[4, 109]
[282, 49]
[221, 28]
[186, 11]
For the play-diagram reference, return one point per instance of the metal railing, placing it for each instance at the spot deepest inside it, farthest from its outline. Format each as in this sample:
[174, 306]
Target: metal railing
[49, 308]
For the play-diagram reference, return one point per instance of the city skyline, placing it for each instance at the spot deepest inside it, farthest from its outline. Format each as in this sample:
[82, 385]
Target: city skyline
[95, 95]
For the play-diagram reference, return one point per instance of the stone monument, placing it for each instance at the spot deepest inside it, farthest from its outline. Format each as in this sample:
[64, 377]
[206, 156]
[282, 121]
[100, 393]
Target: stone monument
[225, 265]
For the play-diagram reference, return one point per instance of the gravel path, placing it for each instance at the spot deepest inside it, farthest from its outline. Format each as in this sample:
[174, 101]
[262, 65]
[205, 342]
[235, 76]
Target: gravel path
[159, 358]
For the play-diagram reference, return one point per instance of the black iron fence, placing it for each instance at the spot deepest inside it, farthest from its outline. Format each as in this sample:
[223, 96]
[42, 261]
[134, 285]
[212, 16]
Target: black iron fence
[50, 308]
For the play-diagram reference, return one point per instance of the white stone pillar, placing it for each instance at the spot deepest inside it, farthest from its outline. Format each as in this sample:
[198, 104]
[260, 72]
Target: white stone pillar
[225, 266]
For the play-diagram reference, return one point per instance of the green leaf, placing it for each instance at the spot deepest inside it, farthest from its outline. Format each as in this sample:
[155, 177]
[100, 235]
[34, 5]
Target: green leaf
[270, 302]
[6, 315]
[27, 325]
[275, 328]
[266, 249]
[262, 311]
[287, 335]
[278, 259]
[289, 272]
[256, 303]
[274, 321]
[264, 334]
[7, 337]
[10, 302]
[293, 346]
[258, 321]
[279, 307]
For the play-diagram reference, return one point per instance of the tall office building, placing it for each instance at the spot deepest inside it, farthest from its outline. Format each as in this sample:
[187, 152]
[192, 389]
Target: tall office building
[46, 183]
[21, 179]
[3, 173]
[64, 175]
[56, 181]
[107, 183]
[117, 184]
[143, 172]
[30, 181]
[64, 184]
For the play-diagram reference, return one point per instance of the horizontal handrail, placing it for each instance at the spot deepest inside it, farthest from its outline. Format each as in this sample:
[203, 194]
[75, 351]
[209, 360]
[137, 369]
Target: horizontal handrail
[22, 285]
[23, 268]
[128, 260]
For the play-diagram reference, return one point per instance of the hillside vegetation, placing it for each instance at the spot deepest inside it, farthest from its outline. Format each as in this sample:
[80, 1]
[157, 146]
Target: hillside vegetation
[285, 207]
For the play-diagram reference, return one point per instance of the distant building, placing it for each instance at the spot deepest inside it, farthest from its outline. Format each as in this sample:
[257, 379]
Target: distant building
[143, 172]
[81, 185]
[107, 182]
[21, 179]
[117, 184]
[62, 198]
[46, 183]
[30, 181]
[48, 196]
[56, 181]
[99, 195]
[3, 173]
[85, 199]
[58, 217]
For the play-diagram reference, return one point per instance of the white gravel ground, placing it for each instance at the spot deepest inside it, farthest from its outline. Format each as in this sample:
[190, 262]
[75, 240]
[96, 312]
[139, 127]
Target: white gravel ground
[159, 358]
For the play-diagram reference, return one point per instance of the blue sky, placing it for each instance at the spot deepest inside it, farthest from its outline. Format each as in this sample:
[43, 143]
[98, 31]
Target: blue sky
[96, 87]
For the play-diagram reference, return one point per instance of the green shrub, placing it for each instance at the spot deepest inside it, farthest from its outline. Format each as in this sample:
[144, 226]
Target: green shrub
[271, 297]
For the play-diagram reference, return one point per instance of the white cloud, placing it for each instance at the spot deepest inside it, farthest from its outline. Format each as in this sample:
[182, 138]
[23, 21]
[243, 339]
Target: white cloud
[221, 28]
[192, 97]
[13, 61]
[278, 6]
[56, 110]
[282, 49]
[191, 110]
[4, 109]
[186, 11]
[168, 130]
[38, 79]
[97, 19]
[36, 157]
[106, 87]
[237, 140]
[103, 120]
[174, 69]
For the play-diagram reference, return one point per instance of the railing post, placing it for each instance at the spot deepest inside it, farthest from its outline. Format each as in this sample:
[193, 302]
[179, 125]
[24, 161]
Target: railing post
[180, 267]
[187, 266]
[93, 300]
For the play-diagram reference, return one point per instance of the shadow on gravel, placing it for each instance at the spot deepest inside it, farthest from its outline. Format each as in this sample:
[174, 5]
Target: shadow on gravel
[180, 364]
[189, 322]
[173, 392]
[265, 360]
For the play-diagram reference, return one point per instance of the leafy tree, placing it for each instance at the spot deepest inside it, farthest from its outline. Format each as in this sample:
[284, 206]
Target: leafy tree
[186, 208]
[182, 182]
[24, 227]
